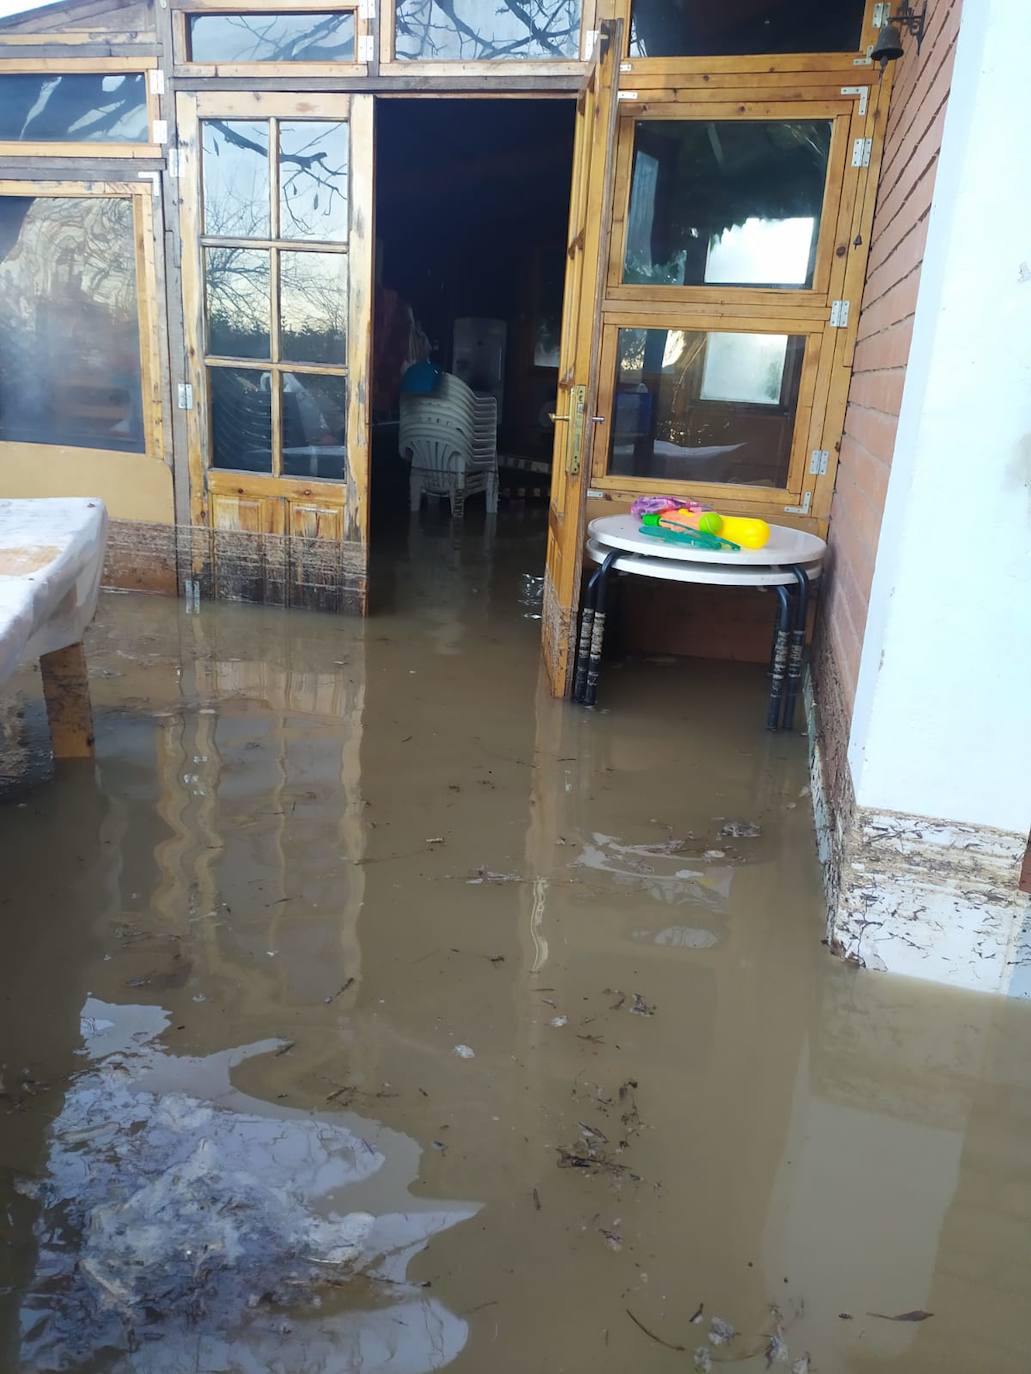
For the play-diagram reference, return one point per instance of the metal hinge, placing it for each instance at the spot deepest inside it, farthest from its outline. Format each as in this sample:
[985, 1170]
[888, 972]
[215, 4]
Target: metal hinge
[626, 66]
[803, 509]
[880, 15]
[839, 314]
[862, 151]
[590, 44]
[175, 162]
[366, 48]
[818, 462]
[184, 394]
[156, 81]
[367, 9]
[155, 182]
[863, 92]
[626, 95]
[159, 130]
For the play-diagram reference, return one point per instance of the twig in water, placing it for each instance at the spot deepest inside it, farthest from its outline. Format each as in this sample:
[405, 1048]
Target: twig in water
[637, 1322]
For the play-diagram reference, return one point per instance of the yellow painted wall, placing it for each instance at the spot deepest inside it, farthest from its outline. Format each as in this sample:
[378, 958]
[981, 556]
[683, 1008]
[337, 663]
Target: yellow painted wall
[131, 485]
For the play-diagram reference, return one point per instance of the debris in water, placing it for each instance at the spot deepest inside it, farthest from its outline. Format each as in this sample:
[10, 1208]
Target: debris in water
[740, 830]
[436, 839]
[702, 1360]
[536, 1200]
[697, 1318]
[801, 1366]
[339, 992]
[776, 1351]
[640, 1007]
[651, 1334]
[170, 1222]
[721, 1332]
[845, 1316]
[715, 854]
[559, 1021]
[917, 1316]
[465, 1052]
[612, 1238]
[284, 1048]
[484, 876]
[592, 1136]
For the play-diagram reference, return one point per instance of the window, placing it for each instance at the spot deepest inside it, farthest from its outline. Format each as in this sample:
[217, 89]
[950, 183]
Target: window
[705, 406]
[69, 323]
[486, 30]
[271, 37]
[726, 202]
[75, 107]
[733, 28]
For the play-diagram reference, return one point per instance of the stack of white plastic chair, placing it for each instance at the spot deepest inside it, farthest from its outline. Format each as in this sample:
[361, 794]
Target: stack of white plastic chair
[450, 437]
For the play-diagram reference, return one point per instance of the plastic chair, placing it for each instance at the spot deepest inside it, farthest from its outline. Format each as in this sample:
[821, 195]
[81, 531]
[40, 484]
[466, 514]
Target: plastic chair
[450, 437]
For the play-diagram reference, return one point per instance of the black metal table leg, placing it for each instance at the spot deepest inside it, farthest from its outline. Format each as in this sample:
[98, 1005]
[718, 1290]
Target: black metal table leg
[586, 638]
[796, 654]
[780, 658]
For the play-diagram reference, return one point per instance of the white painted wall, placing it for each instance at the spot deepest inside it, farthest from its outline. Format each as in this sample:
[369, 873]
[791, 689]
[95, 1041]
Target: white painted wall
[942, 722]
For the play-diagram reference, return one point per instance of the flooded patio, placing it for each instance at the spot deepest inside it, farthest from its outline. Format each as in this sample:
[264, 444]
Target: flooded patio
[366, 1009]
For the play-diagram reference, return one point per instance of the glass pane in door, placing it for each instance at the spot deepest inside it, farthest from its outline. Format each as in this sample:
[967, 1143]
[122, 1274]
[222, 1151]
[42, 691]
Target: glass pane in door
[705, 406]
[235, 178]
[730, 28]
[313, 156]
[314, 411]
[241, 419]
[485, 30]
[313, 307]
[726, 202]
[236, 290]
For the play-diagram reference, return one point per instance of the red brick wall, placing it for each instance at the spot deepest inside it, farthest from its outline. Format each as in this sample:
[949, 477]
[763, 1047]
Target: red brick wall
[913, 140]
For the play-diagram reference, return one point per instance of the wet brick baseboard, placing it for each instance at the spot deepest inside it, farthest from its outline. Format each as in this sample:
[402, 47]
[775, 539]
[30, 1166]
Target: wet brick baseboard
[140, 557]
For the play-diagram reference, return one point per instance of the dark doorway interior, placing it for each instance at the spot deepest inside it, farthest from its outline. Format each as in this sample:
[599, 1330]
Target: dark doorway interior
[472, 201]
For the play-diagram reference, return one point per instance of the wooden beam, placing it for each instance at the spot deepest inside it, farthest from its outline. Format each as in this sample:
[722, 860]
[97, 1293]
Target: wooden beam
[66, 691]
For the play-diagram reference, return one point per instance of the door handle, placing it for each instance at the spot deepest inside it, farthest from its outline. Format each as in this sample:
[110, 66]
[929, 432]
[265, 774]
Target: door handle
[559, 419]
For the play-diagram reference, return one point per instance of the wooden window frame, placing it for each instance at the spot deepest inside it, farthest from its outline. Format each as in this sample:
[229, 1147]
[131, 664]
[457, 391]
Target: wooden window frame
[74, 66]
[727, 495]
[182, 10]
[716, 71]
[840, 113]
[390, 65]
[149, 315]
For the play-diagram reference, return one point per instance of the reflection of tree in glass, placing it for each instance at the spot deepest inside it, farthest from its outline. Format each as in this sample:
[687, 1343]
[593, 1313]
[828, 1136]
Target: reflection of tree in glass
[84, 107]
[237, 282]
[272, 38]
[313, 306]
[313, 161]
[471, 30]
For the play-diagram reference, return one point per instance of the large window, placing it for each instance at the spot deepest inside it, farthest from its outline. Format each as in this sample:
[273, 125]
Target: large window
[733, 28]
[487, 30]
[69, 323]
[79, 107]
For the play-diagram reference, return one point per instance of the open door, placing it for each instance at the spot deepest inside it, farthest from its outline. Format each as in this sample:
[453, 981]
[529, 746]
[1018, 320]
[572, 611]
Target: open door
[590, 215]
[277, 231]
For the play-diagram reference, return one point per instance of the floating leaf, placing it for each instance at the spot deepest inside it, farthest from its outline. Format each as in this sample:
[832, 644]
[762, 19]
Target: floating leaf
[721, 1332]
[916, 1316]
[702, 1360]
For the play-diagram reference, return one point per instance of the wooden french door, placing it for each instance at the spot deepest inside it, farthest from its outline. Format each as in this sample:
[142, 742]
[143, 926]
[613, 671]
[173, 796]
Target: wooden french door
[277, 232]
[587, 254]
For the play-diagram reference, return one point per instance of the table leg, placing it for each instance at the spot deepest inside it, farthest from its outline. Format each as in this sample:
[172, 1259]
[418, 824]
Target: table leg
[601, 578]
[796, 655]
[583, 643]
[66, 692]
[780, 658]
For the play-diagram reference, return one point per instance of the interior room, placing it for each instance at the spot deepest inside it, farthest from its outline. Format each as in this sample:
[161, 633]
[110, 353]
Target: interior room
[472, 201]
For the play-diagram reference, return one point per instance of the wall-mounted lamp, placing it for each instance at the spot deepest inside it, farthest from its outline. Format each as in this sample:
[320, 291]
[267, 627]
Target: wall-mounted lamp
[888, 47]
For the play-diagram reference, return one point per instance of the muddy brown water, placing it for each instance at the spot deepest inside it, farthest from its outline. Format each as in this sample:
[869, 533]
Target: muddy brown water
[365, 1009]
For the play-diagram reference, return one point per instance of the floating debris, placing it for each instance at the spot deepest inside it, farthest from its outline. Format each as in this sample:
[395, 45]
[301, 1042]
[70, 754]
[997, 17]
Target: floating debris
[721, 1332]
[465, 1052]
[740, 830]
[640, 1007]
[916, 1316]
[651, 1334]
[702, 1359]
[559, 1021]
[696, 1320]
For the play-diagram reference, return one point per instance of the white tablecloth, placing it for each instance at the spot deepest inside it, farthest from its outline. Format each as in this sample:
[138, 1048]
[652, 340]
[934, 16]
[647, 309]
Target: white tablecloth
[51, 556]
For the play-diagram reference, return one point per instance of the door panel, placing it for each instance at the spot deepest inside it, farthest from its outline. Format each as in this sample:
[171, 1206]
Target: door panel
[587, 252]
[277, 221]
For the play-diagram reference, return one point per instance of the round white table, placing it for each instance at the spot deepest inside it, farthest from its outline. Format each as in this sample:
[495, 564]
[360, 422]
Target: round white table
[789, 564]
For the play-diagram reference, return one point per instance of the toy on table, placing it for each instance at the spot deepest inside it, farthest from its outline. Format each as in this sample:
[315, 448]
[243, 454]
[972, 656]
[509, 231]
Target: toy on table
[695, 524]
